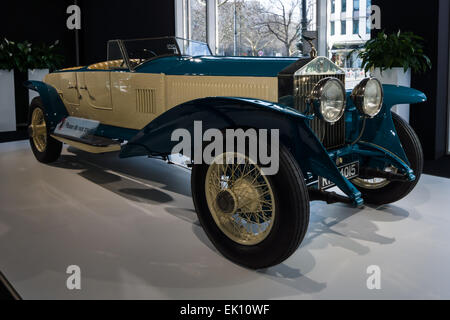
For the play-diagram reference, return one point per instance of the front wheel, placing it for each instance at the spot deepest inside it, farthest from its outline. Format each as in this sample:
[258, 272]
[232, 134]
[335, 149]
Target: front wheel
[380, 191]
[45, 148]
[254, 220]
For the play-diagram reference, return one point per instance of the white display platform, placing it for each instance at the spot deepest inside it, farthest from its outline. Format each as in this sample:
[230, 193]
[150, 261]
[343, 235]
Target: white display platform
[130, 226]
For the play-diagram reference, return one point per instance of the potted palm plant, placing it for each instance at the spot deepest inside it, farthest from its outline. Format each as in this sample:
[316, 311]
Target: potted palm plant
[7, 98]
[391, 58]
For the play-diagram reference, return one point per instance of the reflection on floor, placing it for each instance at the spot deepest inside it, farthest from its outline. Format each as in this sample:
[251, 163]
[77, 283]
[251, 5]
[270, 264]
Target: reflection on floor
[131, 228]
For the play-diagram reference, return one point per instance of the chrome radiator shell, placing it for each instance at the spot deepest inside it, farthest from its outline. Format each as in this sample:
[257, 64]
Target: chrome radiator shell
[331, 135]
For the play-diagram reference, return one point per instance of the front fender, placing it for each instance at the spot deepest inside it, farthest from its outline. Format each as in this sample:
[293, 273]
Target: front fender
[394, 95]
[54, 108]
[222, 113]
[380, 131]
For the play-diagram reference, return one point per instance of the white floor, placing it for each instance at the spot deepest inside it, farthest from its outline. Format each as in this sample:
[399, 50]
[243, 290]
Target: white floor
[131, 227]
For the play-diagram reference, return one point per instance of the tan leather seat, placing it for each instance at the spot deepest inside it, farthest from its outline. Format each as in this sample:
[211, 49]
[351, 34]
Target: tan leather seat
[109, 65]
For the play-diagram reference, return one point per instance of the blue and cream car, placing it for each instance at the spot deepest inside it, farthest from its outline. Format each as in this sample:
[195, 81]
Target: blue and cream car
[328, 137]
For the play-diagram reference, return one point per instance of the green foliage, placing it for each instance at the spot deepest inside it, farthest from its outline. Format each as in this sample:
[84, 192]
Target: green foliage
[47, 57]
[399, 50]
[6, 55]
[24, 56]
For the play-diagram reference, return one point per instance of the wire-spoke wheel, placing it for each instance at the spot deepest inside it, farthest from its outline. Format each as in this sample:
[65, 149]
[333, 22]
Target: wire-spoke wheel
[375, 183]
[254, 220]
[45, 148]
[240, 199]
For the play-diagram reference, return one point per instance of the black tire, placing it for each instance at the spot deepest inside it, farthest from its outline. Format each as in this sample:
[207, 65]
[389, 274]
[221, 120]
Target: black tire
[289, 226]
[396, 191]
[53, 147]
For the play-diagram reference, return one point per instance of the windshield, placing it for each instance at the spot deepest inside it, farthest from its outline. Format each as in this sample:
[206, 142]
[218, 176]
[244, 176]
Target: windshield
[142, 50]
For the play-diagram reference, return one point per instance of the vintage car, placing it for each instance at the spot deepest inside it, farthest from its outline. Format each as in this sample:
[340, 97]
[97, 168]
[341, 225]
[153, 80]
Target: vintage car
[328, 137]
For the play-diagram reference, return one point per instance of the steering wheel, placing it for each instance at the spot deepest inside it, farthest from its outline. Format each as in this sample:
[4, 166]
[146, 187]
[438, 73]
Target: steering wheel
[147, 52]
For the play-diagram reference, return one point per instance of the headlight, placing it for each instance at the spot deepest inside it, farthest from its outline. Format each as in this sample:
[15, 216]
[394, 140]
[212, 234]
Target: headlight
[368, 96]
[328, 99]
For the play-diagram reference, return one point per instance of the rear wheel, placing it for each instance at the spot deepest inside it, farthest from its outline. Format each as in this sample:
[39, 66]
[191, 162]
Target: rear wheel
[45, 148]
[381, 191]
[254, 220]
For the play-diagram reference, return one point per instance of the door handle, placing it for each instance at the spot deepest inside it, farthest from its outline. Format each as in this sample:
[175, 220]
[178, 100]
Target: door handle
[89, 94]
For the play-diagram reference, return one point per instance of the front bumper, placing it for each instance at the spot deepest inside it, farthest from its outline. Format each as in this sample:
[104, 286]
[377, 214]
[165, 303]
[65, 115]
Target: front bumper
[368, 155]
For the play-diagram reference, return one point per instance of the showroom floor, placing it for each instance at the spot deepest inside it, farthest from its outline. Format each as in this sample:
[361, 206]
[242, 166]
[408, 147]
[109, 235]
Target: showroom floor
[131, 228]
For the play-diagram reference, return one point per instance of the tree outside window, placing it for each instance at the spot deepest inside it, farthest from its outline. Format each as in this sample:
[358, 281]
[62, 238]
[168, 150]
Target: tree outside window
[264, 27]
[195, 20]
[344, 6]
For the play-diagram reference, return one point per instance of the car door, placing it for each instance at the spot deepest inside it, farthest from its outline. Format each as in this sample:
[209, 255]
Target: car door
[95, 91]
[68, 90]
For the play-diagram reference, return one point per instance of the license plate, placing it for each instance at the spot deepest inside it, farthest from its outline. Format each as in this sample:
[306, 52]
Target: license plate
[349, 171]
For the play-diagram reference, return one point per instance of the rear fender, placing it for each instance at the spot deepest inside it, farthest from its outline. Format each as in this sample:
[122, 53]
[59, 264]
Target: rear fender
[54, 108]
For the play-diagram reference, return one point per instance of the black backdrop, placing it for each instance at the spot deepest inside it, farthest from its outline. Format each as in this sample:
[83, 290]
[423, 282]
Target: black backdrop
[102, 20]
[429, 19]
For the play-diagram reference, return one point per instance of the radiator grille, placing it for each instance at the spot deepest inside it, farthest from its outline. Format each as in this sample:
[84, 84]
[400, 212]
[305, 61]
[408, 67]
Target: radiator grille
[145, 100]
[331, 135]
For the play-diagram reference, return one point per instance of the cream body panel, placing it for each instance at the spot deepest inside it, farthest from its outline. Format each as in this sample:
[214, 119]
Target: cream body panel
[66, 85]
[95, 88]
[135, 99]
[186, 88]
[95, 92]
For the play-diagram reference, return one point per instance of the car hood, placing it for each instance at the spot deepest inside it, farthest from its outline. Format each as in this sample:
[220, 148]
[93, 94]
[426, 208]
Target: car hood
[217, 66]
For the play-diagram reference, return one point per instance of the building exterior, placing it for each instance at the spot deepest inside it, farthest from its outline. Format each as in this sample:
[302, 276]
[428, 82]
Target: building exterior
[348, 30]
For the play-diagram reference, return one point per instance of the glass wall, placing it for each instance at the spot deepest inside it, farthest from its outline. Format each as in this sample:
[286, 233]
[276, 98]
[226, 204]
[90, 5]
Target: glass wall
[252, 27]
[194, 19]
[347, 35]
[264, 27]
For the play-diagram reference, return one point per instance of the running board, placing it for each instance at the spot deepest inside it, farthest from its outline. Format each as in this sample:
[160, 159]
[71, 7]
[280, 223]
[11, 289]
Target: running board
[94, 144]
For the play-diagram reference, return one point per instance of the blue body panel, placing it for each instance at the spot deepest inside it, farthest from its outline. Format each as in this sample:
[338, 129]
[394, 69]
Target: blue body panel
[380, 131]
[211, 66]
[217, 66]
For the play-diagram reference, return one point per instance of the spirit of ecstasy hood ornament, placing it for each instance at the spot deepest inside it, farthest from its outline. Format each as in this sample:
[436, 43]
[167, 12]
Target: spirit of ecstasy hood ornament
[313, 52]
